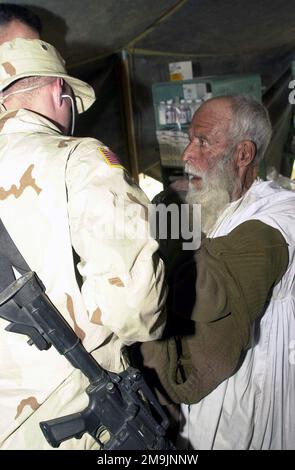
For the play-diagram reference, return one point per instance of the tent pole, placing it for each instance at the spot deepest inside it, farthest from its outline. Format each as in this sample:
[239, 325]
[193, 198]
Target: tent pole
[128, 111]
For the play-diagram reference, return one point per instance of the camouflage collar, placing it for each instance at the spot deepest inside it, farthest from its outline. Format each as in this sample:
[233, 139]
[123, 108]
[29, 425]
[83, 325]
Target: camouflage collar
[23, 120]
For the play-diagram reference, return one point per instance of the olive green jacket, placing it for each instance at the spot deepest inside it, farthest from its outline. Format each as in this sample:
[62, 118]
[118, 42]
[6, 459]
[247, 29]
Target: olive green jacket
[235, 277]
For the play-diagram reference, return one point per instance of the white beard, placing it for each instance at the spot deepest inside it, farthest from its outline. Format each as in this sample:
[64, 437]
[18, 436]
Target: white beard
[218, 186]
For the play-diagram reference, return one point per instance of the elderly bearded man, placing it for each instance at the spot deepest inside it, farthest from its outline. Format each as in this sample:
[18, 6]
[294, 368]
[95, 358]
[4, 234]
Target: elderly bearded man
[235, 370]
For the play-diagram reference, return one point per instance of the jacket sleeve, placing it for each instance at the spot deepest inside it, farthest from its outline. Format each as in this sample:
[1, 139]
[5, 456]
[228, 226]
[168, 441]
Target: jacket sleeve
[235, 277]
[123, 277]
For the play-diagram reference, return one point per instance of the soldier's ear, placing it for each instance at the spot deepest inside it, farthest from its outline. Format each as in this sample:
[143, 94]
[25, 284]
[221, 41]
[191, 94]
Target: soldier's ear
[57, 91]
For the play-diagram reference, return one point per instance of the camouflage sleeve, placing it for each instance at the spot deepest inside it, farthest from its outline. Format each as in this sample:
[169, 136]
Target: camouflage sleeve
[123, 277]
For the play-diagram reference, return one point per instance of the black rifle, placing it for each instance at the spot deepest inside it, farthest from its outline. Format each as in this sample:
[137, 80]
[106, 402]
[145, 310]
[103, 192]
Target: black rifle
[122, 410]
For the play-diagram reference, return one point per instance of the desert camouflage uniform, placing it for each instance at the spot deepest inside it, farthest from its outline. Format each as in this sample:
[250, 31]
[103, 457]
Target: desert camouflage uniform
[57, 193]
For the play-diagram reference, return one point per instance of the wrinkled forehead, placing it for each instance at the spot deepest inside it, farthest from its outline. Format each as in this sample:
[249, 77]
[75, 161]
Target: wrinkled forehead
[213, 115]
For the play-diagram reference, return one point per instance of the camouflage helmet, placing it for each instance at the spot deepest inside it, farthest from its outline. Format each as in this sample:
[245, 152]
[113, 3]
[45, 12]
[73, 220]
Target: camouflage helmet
[22, 58]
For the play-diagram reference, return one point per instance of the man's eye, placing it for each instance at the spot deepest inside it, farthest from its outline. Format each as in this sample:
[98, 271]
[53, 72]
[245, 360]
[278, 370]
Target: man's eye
[202, 142]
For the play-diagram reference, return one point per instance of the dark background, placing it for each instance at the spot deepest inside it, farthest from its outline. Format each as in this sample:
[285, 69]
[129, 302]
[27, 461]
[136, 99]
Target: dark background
[219, 36]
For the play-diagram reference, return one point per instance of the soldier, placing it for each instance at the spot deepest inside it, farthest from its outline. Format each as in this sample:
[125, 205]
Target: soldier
[59, 193]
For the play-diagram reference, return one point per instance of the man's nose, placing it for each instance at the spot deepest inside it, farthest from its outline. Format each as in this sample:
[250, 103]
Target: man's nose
[189, 154]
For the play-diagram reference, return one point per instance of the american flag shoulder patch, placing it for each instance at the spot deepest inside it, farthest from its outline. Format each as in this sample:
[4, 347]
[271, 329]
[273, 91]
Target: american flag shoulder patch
[110, 158]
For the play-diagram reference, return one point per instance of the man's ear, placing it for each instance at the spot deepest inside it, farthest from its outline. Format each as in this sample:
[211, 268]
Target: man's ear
[57, 91]
[246, 151]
